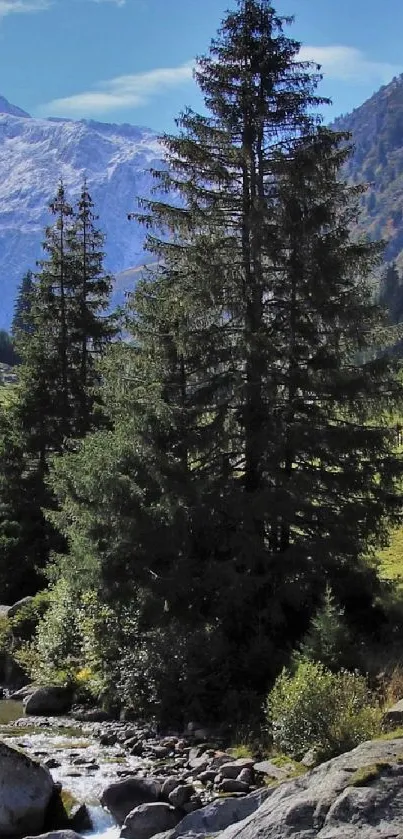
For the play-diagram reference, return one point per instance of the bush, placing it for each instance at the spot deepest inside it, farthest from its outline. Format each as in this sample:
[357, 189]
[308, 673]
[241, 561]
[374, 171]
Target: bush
[317, 709]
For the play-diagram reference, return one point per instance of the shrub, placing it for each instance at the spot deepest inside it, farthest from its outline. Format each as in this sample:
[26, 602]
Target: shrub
[317, 709]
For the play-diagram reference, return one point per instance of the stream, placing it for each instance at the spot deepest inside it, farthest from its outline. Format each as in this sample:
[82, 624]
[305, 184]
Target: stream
[74, 757]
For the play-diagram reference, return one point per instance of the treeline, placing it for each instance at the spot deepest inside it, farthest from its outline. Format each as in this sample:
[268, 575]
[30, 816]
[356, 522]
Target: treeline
[202, 483]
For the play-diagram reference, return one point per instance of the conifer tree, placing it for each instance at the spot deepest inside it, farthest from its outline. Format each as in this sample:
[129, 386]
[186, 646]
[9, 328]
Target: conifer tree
[22, 309]
[278, 306]
[250, 462]
[91, 328]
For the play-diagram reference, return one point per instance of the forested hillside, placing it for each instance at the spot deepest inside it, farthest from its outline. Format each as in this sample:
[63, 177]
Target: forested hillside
[377, 132]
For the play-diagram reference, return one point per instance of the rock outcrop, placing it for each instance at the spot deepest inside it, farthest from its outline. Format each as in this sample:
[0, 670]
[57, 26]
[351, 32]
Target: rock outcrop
[359, 794]
[48, 701]
[26, 789]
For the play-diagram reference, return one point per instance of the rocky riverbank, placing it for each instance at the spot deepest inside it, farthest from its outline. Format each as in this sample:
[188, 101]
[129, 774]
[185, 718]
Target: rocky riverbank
[124, 765]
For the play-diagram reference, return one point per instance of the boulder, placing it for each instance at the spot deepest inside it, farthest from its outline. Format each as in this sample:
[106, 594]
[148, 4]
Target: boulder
[48, 701]
[4, 611]
[232, 769]
[169, 785]
[57, 834]
[218, 815]
[20, 604]
[181, 795]
[266, 767]
[23, 693]
[80, 818]
[359, 794]
[233, 785]
[393, 717]
[148, 819]
[124, 796]
[26, 789]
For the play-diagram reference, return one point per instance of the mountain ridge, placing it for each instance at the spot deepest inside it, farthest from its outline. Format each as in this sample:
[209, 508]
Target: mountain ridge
[34, 155]
[116, 158]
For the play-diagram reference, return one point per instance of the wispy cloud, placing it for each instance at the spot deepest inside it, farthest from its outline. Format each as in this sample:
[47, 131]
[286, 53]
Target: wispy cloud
[349, 64]
[10, 7]
[115, 2]
[121, 92]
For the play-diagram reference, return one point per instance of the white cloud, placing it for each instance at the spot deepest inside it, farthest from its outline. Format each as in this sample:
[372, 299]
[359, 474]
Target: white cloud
[122, 92]
[349, 64]
[10, 7]
[115, 2]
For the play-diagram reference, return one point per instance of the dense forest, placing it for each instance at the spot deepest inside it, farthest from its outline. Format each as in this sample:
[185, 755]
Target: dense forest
[185, 485]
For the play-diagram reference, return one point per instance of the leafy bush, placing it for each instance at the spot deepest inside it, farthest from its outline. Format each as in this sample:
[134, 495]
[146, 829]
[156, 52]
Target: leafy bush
[317, 709]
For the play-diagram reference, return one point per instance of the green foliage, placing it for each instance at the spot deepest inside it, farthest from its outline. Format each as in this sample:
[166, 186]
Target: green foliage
[328, 639]
[7, 351]
[314, 708]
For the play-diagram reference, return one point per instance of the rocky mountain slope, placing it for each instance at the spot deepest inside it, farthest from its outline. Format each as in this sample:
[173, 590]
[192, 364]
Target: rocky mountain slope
[377, 130]
[35, 154]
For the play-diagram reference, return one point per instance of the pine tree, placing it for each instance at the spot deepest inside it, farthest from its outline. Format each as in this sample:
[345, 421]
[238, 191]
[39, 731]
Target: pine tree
[259, 262]
[91, 328]
[22, 309]
[250, 461]
[67, 330]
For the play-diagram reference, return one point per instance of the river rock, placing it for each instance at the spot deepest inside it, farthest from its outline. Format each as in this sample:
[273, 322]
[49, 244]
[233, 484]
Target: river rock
[359, 794]
[394, 716]
[266, 767]
[26, 789]
[20, 604]
[169, 785]
[147, 819]
[57, 834]
[181, 795]
[123, 796]
[80, 818]
[48, 701]
[232, 769]
[233, 785]
[217, 816]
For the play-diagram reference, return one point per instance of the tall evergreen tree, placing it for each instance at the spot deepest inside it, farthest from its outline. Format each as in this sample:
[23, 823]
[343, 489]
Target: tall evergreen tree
[251, 463]
[22, 309]
[261, 249]
[68, 330]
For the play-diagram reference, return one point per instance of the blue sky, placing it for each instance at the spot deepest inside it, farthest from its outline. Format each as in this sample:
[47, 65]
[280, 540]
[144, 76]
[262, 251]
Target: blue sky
[130, 60]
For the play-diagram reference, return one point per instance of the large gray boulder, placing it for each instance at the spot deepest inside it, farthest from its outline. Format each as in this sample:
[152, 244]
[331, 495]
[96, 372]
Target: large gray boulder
[218, 815]
[20, 604]
[359, 794]
[148, 819]
[123, 796]
[48, 701]
[26, 789]
[57, 834]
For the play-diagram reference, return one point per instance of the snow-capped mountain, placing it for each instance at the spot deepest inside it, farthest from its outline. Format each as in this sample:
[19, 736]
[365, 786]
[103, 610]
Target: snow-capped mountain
[35, 154]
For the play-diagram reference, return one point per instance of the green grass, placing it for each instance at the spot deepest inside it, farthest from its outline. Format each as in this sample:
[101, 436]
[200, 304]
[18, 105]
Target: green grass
[391, 559]
[365, 776]
[241, 750]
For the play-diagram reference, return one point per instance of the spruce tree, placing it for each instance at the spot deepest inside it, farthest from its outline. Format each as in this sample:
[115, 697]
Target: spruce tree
[250, 461]
[68, 330]
[91, 328]
[22, 308]
[278, 309]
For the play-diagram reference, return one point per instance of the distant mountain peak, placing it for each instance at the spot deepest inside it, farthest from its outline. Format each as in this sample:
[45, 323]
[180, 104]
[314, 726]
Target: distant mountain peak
[7, 108]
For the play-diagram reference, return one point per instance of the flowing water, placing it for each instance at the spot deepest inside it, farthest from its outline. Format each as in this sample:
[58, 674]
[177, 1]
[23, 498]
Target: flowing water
[74, 756]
